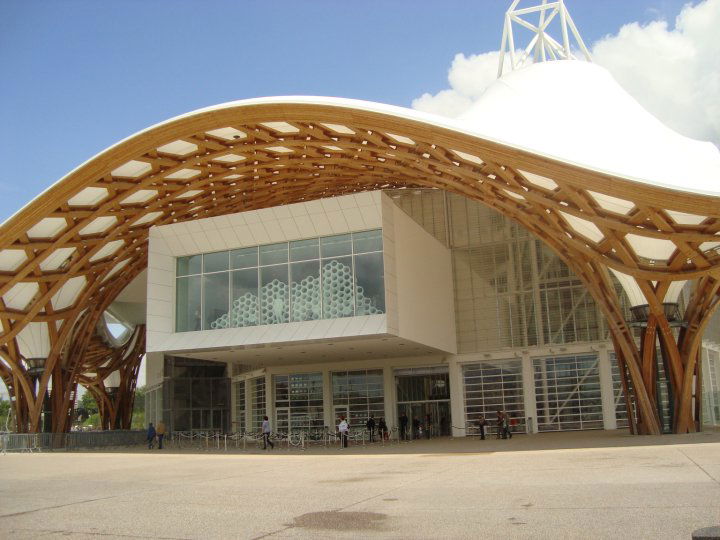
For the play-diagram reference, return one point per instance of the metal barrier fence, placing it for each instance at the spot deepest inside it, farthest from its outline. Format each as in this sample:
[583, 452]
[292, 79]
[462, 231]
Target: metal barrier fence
[300, 439]
[35, 442]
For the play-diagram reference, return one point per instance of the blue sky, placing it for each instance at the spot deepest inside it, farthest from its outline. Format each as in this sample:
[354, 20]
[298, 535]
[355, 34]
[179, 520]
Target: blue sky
[80, 75]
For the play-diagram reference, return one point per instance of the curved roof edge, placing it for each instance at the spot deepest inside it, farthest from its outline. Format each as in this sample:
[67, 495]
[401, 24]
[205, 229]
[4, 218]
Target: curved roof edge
[461, 125]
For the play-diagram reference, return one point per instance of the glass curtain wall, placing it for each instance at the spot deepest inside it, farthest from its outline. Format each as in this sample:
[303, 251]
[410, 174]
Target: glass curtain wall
[239, 395]
[358, 395]
[490, 386]
[320, 278]
[154, 405]
[711, 384]
[567, 393]
[257, 401]
[423, 394]
[510, 289]
[621, 413]
[198, 393]
[298, 402]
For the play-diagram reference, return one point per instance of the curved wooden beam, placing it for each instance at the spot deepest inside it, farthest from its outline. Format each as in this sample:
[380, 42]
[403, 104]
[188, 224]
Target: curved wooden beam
[93, 225]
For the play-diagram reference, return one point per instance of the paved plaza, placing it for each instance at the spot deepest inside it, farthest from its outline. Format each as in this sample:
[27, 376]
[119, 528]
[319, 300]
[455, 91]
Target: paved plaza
[560, 485]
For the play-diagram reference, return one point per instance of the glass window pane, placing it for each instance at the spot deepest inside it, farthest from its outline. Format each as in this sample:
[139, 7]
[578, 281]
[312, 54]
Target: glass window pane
[188, 265]
[304, 250]
[201, 392]
[364, 242]
[215, 262]
[305, 291]
[215, 300]
[187, 305]
[333, 246]
[274, 294]
[244, 310]
[244, 258]
[370, 285]
[274, 254]
[337, 288]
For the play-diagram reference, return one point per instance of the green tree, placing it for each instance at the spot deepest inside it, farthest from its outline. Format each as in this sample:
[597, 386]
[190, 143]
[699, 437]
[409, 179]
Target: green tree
[88, 403]
[139, 403]
[92, 421]
[138, 420]
[4, 413]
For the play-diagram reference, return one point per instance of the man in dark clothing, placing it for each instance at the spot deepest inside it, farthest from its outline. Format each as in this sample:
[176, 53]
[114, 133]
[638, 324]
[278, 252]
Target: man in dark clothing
[428, 425]
[382, 430]
[501, 424]
[482, 423]
[370, 425]
[416, 428]
[151, 436]
[403, 426]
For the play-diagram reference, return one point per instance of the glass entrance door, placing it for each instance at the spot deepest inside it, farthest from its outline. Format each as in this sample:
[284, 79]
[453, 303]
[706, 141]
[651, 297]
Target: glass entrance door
[433, 418]
[424, 396]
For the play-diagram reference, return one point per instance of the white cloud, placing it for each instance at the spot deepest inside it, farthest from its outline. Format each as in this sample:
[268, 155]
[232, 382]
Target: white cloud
[468, 77]
[673, 72]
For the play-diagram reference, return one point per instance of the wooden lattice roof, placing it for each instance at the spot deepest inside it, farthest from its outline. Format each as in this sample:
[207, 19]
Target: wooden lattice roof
[71, 251]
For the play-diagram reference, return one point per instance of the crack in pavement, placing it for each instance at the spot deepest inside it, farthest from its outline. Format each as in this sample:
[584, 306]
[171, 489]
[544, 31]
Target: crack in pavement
[96, 533]
[710, 476]
[56, 506]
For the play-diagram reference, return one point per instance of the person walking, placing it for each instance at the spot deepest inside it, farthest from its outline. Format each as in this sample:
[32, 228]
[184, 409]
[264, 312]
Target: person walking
[343, 428]
[160, 431]
[416, 428]
[383, 429]
[500, 424]
[482, 423]
[507, 423]
[151, 436]
[403, 426]
[428, 426]
[370, 425]
[266, 433]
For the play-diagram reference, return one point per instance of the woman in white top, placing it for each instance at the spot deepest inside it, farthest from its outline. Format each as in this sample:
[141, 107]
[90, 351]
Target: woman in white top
[266, 433]
[343, 428]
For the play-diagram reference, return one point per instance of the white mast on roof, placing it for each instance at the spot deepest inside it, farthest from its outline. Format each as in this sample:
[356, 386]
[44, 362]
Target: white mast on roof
[542, 47]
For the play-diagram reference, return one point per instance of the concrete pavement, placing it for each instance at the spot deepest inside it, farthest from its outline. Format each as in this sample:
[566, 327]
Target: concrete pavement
[540, 486]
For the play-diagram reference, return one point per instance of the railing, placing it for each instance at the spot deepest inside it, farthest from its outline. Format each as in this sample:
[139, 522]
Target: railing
[299, 439]
[35, 442]
[23, 442]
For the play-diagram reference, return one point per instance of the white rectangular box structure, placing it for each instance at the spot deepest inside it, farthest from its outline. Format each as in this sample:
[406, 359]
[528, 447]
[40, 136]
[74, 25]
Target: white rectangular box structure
[417, 279]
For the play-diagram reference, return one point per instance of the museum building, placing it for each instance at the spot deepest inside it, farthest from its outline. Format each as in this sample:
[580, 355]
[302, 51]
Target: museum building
[377, 304]
[553, 252]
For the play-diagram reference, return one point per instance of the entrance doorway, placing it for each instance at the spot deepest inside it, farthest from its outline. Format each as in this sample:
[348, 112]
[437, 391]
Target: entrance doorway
[433, 416]
[423, 394]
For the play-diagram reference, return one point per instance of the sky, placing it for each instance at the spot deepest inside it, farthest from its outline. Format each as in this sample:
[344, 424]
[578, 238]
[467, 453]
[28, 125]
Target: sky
[78, 76]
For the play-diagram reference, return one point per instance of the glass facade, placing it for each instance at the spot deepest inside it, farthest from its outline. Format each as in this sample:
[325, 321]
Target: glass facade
[510, 289]
[357, 395]
[298, 402]
[711, 386]
[239, 396]
[257, 403]
[418, 384]
[567, 393]
[490, 386]
[154, 405]
[198, 395]
[621, 413]
[319, 278]
[423, 394]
